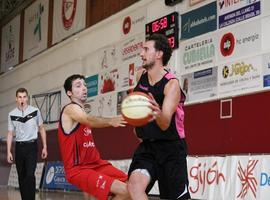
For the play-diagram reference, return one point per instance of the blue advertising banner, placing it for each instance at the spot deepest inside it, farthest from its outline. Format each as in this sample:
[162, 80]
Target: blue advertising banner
[92, 85]
[266, 80]
[199, 21]
[54, 177]
[239, 15]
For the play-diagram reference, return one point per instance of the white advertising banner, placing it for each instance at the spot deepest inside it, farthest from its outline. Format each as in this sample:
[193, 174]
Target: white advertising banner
[200, 85]
[245, 172]
[91, 106]
[240, 77]
[35, 28]
[107, 105]
[239, 41]
[229, 177]
[69, 17]
[207, 177]
[108, 57]
[131, 48]
[134, 23]
[127, 76]
[10, 44]
[198, 53]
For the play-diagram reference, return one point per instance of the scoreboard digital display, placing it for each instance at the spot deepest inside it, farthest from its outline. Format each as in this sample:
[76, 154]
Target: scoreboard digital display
[167, 25]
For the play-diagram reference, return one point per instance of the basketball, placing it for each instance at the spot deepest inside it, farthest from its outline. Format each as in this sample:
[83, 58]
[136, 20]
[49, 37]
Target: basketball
[135, 108]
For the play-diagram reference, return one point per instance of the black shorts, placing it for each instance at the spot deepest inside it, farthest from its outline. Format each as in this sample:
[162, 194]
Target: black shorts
[166, 162]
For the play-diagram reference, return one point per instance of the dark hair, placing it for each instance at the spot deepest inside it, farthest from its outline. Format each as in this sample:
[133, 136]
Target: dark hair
[162, 44]
[70, 79]
[21, 90]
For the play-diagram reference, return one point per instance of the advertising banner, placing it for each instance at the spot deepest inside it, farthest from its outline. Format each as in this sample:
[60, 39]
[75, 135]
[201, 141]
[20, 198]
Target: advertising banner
[127, 76]
[92, 85]
[134, 23]
[229, 177]
[131, 48]
[107, 105]
[231, 12]
[108, 57]
[198, 53]
[35, 28]
[199, 21]
[108, 81]
[200, 85]
[242, 40]
[68, 18]
[54, 177]
[91, 106]
[240, 77]
[10, 44]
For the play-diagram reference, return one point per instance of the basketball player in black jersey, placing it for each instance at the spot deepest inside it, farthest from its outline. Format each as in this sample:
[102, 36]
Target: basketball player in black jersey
[162, 153]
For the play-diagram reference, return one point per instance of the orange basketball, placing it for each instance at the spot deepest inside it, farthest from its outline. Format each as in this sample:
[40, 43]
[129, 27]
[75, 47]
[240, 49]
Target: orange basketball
[135, 108]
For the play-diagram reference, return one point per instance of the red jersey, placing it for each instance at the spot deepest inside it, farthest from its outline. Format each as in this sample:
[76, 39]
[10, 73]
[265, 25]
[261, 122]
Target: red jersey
[78, 148]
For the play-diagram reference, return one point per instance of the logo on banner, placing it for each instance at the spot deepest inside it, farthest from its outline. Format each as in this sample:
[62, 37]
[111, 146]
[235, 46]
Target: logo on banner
[199, 21]
[126, 25]
[247, 178]
[199, 53]
[50, 175]
[11, 49]
[227, 3]
[227, 44]
[225, 71]
[239, 68]
[36, 17]
[265, 179]
[202, 175]
[68, 12]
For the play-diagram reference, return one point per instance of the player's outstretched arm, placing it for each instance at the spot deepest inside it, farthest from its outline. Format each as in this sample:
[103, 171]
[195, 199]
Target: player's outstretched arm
[76, 113]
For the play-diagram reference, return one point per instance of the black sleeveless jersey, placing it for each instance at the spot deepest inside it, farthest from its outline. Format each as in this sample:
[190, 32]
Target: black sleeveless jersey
[152, 131]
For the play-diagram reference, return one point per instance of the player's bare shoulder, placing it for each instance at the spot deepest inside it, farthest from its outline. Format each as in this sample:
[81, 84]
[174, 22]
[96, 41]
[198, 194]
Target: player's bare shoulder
[172, 85]
[72, 109]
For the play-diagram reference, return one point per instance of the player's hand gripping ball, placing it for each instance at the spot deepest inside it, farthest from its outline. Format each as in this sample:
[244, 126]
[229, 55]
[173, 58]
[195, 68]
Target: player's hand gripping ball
[135, 108]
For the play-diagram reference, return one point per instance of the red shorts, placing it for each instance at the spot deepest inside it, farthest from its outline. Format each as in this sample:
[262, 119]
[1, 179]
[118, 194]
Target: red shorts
[97, 181]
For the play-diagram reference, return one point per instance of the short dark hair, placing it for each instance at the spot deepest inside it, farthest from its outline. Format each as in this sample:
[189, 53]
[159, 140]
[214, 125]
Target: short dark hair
[162, 44]
[21, 90]
[70, 79]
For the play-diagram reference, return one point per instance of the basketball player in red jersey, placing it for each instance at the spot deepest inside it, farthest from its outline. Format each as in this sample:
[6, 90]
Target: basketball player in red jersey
[83, 166]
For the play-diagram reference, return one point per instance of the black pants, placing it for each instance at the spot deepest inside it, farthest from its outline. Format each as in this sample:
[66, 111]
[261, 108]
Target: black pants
[26, 161]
